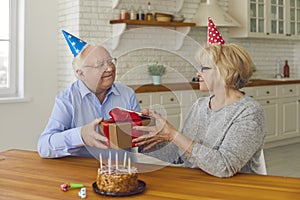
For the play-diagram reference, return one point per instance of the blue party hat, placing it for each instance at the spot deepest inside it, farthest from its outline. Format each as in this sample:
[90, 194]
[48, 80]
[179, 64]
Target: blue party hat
[76, 45]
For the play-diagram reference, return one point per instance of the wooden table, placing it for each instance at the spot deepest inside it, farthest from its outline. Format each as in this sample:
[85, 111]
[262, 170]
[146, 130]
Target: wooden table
[24, 175]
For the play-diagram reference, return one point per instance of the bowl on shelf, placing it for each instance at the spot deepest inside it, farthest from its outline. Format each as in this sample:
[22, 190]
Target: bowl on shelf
[163, 17]
[178, 18]
[181, 19]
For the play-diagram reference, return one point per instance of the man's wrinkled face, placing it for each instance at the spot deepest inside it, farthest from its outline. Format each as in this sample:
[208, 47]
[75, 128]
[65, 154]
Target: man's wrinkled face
[98, 71]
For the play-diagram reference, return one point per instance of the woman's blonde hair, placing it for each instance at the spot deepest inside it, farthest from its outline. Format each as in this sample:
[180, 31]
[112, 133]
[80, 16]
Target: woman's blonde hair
[233, 63]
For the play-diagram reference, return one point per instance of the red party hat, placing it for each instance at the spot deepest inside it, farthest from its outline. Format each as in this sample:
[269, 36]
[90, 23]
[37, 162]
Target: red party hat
[213, 35]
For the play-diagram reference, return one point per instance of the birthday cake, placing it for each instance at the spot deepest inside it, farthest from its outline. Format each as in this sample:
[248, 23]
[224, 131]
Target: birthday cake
[117, 180]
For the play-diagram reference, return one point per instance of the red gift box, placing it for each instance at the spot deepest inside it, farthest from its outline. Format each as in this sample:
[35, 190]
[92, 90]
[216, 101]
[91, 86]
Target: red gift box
[119, 130]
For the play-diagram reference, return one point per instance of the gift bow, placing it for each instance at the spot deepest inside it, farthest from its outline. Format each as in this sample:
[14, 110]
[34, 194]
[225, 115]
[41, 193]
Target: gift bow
[120, 115]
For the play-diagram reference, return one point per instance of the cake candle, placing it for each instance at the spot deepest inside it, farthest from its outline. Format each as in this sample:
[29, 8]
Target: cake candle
[101, 164]
[109, 162]
[117, 160]
[125, 157]
[129, 165]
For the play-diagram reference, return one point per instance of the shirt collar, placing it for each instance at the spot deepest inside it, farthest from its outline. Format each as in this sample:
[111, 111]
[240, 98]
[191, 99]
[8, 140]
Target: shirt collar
[114, 90]
[85, 90]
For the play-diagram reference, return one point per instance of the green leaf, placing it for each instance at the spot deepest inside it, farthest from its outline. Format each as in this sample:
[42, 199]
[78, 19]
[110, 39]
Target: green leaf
[156, 69]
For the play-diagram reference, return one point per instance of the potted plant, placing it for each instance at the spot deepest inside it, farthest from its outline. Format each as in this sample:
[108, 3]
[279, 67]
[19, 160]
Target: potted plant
[156, 71]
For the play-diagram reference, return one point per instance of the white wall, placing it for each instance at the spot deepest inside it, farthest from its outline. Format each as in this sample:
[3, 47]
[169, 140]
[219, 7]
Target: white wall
[22, 123]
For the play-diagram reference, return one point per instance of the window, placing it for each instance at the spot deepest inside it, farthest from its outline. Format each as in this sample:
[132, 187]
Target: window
[8, 48]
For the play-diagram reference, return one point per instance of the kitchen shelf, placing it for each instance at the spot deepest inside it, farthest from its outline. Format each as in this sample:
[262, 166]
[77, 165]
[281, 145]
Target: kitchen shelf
[152, 23]
[119, 27]
[178, 4]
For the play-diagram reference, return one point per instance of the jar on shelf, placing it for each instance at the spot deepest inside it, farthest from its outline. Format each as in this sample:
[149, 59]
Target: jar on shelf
[140, 14]
[124, 13]
[149, 14]
[133, 14]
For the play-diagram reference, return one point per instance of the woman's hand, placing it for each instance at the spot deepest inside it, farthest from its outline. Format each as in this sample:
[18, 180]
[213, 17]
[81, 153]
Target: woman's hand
[91, 138]
[163, 131]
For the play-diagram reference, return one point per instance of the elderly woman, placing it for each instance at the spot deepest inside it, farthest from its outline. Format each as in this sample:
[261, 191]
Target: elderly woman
[78, 110]
[224, 132]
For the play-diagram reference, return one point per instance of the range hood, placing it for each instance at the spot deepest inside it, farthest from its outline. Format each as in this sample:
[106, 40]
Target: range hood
[210, 8]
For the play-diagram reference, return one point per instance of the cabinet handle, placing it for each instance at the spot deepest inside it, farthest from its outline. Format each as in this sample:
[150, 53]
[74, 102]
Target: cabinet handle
[140, 101]
[268, 102]
[267, 92]
[291, 90]
[172, 99]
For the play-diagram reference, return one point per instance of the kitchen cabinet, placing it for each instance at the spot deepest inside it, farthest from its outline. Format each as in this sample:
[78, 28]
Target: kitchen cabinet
[165, 103]
[271, 108]
[173, 105]
[282, 110]
[290, 110]
[266, 18]
[290, 117]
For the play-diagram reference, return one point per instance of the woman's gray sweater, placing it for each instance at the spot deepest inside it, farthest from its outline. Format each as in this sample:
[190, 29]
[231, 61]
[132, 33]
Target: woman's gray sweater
[227, 141]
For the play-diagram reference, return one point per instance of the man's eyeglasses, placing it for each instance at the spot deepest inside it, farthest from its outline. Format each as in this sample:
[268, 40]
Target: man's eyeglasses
[101, 64]
[203, 68]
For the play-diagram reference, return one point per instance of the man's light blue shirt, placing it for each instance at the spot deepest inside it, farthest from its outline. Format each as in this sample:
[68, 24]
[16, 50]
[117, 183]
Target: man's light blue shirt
[75, 107]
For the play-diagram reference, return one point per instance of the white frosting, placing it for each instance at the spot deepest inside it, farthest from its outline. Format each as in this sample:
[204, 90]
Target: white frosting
[120, 170]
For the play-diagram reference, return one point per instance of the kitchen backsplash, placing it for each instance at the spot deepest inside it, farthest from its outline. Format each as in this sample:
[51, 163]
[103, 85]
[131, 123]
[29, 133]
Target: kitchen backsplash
[89, 19]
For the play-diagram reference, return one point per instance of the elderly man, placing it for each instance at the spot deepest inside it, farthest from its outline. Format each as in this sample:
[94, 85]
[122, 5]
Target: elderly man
[73, 125]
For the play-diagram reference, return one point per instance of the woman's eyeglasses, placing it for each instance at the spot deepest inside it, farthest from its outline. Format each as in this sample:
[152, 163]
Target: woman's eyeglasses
[203, 68]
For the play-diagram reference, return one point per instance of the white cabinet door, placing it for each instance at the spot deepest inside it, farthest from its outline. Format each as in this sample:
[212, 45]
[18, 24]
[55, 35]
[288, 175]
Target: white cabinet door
[170, 103]
[277, 17]
[173, 105]
[266, 18]
[290, 117]
[165, 103]
[272, 114]
[144, 99]
[252, 17]
[293, 17]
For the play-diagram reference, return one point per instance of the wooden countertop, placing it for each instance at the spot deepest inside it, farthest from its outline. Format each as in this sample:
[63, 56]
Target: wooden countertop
[264, 82]
[24, 175]
[195, 86]
[165, 87]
